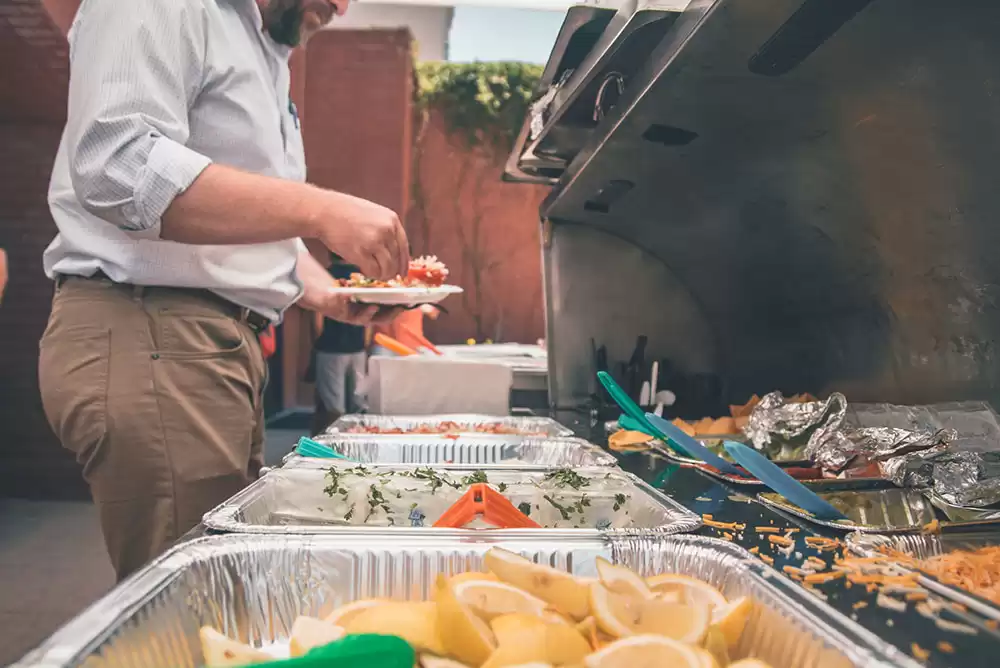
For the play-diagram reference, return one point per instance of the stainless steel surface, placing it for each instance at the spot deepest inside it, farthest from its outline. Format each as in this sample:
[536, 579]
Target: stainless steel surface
[581, 28]
[577, 98]
[924, 546]
[809, 224]
[254, 587]
[889, 510]
[467, 449]
[466, 424]
[292, 500]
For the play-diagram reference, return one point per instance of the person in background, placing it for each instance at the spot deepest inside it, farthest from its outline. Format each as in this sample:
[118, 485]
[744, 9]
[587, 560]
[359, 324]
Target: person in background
[339, 363]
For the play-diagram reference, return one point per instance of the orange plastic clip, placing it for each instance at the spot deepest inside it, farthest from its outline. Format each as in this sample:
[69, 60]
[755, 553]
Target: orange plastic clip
[483, 501]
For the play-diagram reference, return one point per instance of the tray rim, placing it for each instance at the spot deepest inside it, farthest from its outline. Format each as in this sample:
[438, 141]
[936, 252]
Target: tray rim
[950, 592]
[559, 430]
[126, 598]
[221, 517]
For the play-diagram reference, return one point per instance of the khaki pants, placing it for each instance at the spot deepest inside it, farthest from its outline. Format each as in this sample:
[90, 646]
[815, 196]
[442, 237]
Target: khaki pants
[158, 393]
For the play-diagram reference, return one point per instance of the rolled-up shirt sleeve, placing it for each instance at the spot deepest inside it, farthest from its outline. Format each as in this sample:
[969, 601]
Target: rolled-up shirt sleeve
[135, 69]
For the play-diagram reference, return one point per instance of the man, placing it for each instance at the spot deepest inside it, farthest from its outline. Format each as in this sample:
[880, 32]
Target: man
[340, 363]
[178, 195]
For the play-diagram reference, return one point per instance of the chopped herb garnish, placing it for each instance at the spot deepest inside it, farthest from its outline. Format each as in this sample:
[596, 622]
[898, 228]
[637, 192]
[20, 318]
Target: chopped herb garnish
[502, 487]
[567, 478]
[474, 478]
[375, 501]
[563, 510]
[434, 481]
[620, 500]
[349, 514]
[525, 508]
[334, 487]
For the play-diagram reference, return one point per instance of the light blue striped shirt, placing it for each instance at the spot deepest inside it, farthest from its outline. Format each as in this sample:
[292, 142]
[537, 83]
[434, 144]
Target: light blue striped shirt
[160, 89]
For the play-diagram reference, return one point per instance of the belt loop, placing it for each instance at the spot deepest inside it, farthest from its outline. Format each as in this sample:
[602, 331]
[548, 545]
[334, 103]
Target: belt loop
[137, 292]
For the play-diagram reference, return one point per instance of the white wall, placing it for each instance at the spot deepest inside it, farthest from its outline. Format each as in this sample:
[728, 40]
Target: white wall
[429, 25]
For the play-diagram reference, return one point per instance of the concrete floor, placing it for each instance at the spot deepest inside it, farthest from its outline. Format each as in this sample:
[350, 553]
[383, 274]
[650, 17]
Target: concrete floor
[53, 564]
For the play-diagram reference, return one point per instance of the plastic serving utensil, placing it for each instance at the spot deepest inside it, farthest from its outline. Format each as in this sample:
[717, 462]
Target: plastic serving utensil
[310, 448]
[692, 446]
[357, 651]
[631, 424]
[782, 483]
[637, 415]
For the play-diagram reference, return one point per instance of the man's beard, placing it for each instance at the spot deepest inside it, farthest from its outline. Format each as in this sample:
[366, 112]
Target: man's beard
[283, 19]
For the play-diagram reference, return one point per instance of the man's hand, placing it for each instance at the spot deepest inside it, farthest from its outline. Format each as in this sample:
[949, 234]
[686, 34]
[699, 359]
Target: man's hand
[365, 234]
[227, 206]
[317, 296]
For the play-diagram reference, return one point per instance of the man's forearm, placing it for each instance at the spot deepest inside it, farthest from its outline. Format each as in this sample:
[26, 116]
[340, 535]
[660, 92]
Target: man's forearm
[226, 206]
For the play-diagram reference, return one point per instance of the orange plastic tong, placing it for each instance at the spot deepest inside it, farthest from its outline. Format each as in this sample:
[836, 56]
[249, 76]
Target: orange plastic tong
[422, 340]
[393, 345]
[483, 501]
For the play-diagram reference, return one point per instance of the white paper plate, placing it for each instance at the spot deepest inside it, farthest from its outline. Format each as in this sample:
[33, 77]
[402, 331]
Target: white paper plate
[399, 296]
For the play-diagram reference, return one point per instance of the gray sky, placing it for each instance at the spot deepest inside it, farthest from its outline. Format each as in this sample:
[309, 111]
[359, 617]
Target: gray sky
[486, 33]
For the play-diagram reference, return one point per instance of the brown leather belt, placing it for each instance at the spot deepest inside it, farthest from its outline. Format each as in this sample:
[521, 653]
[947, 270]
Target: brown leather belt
[255, 321]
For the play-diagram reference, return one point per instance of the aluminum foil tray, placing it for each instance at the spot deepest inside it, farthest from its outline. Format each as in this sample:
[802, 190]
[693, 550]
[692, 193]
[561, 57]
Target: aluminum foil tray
[468, 449]
[922, 546]
[516, 427]
[292, 500]
[874, 509]
[252, 588]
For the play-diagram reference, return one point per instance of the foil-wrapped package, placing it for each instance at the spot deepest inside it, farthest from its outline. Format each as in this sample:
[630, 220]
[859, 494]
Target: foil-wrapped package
[961, 477]
[952, 449]
[830, 440]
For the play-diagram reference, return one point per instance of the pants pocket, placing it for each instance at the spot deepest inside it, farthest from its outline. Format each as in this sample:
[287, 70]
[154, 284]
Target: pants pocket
[73, 369]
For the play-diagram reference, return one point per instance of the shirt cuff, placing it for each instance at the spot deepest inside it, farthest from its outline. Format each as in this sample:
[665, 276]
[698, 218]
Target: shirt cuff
[170, 169]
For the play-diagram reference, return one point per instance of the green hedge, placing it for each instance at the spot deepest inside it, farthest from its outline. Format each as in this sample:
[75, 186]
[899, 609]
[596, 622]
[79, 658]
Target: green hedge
[484, 103]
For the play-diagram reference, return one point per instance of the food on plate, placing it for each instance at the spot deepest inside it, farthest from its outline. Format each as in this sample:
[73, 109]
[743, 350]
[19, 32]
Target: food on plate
[424, 272]
[447, 427]
[419, 497]
[521, 617]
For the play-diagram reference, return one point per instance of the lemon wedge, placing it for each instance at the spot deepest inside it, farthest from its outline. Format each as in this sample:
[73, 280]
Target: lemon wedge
[468, 638]
[688, 589]
[416, 623]
[645, 651]
[621, 616]
[430, 661]
[716, 645]
[731, 619]
[492, 599]
[750, 663]
[523, 638]
[309, 633]
[621, 580]
[345, 613]
[219, 651]
[707, 660]
[557, 588]
[473, 576]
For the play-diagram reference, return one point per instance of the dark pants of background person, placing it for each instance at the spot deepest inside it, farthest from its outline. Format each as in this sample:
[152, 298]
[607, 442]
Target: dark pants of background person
[158, 392]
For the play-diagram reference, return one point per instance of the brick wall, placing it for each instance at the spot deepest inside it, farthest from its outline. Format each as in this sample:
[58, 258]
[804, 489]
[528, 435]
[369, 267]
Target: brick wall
[358, 101]
[32, 111]
[486, 231]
